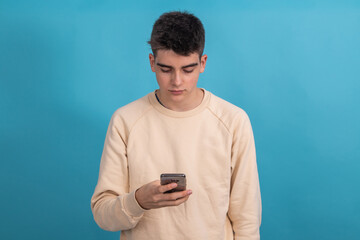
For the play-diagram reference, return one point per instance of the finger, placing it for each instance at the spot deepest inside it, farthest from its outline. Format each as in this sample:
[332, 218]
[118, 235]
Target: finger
[176, 195]
[173, 203]
[167, 187]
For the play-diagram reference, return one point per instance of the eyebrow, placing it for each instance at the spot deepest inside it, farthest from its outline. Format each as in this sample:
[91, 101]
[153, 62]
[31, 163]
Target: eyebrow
[167, 66]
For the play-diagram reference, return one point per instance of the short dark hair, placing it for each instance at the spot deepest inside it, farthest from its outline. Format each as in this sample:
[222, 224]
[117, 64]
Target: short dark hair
[181, 32]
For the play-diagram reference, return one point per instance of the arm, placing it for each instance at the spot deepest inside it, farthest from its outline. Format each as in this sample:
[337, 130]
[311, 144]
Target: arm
[113, 207]
[245, 200]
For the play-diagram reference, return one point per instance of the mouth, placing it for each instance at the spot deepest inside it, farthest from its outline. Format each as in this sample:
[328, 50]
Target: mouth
[176, 92]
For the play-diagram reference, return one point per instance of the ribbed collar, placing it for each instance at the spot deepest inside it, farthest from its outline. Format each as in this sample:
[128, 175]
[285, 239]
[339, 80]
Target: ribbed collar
[171, 113]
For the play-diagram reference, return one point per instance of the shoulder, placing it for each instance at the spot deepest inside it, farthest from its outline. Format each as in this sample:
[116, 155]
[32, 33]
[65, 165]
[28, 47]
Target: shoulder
[126, 116]
[229, 114]
[135, 108]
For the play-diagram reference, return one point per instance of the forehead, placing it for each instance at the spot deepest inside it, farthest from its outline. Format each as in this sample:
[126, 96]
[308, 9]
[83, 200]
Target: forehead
[169, 57]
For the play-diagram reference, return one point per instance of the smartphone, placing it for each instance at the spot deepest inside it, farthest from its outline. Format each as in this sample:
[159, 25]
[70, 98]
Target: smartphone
[178, 178]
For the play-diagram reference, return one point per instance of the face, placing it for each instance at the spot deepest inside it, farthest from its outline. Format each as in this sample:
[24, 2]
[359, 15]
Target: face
[177, 77]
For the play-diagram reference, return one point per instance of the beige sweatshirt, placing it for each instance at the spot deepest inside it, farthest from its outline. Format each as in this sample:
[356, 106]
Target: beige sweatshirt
[212, 144]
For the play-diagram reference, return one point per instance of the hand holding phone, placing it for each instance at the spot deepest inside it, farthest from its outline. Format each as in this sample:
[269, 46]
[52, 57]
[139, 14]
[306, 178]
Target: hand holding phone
[157, 195]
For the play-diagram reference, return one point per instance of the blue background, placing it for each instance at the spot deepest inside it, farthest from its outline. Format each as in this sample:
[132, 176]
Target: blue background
[66, 66]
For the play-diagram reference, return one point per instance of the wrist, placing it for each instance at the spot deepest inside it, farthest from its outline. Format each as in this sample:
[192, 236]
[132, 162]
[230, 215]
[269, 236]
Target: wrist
[138, 198]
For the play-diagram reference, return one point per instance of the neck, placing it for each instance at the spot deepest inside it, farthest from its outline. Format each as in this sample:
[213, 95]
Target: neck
[187, 104]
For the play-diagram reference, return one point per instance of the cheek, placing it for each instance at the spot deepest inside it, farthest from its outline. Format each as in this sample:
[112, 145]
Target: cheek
[161, 79]
[193, 78]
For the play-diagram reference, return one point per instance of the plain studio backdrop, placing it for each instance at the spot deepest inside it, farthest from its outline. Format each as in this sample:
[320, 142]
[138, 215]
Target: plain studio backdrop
[293, 66]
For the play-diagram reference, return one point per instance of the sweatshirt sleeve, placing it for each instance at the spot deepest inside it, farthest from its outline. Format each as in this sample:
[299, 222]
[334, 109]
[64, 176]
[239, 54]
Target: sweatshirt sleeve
[115, 208]
[245, 200]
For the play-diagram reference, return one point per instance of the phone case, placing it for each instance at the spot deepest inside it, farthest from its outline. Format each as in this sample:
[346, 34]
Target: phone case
[178, 178]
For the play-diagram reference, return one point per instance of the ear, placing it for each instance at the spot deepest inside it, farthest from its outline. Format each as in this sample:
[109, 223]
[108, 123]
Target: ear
[203, 63]
[152, 62]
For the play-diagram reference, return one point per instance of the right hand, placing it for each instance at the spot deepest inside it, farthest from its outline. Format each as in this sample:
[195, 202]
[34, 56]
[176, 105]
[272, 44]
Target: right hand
[152, 195]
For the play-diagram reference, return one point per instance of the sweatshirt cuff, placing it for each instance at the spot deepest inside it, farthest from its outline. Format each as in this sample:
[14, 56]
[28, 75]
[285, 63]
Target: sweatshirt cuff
[132, 206]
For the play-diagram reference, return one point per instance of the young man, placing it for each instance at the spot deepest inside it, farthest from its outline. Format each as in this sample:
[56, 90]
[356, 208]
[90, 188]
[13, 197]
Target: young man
[179, 128]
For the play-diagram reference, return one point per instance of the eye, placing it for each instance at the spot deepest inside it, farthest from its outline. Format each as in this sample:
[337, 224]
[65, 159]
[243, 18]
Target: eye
[188, 71]
[165, 70]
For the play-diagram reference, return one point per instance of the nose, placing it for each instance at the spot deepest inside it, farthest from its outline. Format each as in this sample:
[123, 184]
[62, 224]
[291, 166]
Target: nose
[176, 79]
